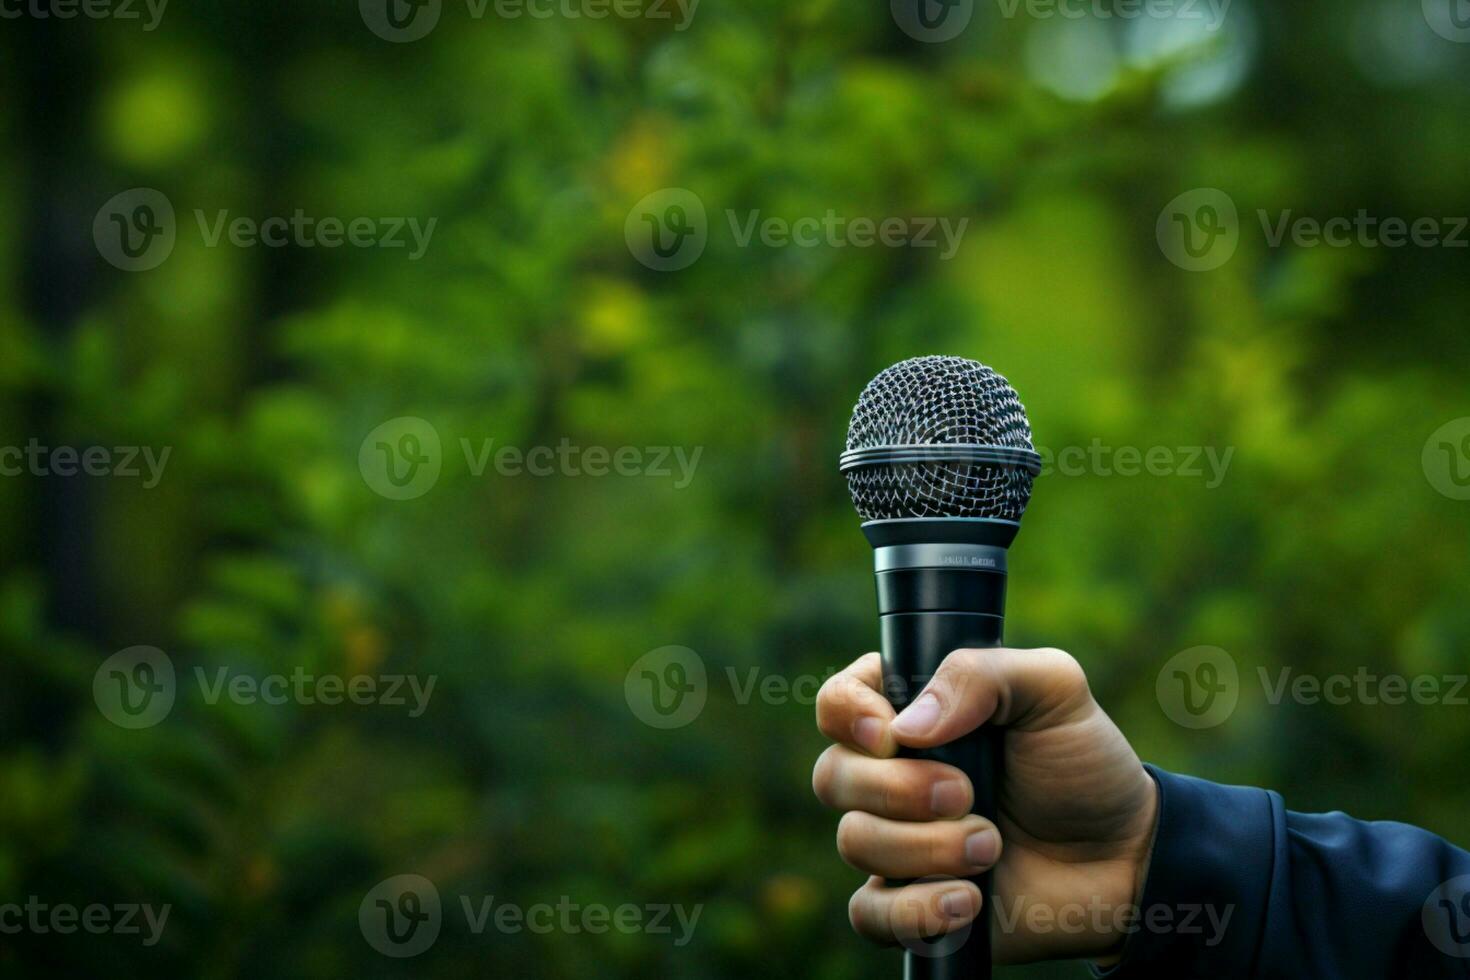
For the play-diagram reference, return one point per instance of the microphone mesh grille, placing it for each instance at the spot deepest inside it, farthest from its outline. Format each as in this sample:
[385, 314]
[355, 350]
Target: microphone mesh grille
[937, 400]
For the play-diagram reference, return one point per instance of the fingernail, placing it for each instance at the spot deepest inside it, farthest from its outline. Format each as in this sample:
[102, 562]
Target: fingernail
[919, 717]
[868, 732]
[949, 798]
[958, 903]
[982, 848]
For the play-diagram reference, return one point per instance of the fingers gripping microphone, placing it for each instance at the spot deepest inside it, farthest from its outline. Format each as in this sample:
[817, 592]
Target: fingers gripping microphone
[939, 462]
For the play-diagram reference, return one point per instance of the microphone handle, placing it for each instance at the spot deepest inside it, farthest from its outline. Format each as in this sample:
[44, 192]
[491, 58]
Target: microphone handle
[942, 587]
[913, 645]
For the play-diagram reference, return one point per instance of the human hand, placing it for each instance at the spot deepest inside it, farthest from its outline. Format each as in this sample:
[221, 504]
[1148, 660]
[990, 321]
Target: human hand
[1076, 808]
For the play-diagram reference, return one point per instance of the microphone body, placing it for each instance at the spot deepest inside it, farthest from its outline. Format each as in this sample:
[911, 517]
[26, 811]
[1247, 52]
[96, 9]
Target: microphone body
[941, 587]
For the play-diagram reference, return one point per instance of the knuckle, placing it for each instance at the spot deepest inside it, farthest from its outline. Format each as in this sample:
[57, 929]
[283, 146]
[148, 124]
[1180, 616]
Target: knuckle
[850, 834]
[859, 912]
[825, 692]
[963, 666]
[824, 776]
[944, 849]
[907, 792]
[967, 660]
[1067, 670]
[907, 914]
[944, 846]
[894, 798]
[961, 669]
[835, 701]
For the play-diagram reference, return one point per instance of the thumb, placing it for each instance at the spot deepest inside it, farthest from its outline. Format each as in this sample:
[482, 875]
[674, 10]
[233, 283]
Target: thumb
[1024, 689]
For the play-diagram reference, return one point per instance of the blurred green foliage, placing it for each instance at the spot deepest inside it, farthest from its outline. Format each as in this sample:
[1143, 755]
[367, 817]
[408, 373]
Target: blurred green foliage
[528, 321]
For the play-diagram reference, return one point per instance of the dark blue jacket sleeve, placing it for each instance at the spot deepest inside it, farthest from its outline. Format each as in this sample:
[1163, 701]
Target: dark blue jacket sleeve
[1239, 887]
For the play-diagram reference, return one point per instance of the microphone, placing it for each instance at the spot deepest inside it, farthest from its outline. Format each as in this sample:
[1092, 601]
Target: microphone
[940, 464]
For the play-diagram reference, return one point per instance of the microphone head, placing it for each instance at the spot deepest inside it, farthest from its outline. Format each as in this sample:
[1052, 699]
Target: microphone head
[939, 437]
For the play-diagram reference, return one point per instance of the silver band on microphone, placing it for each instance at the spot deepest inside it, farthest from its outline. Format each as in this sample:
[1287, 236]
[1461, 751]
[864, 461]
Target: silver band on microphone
[1006, 457]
